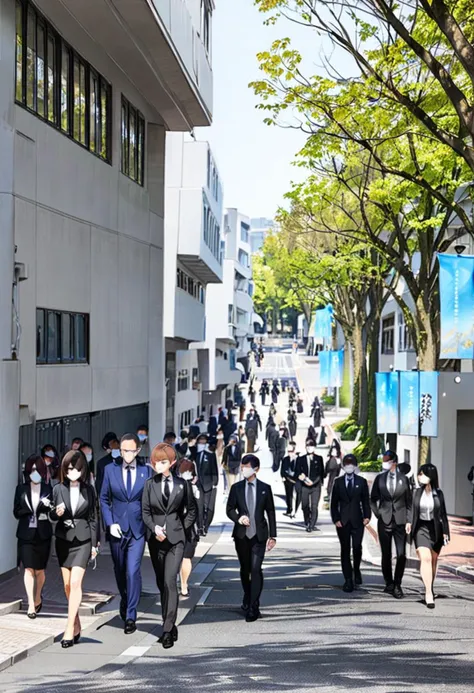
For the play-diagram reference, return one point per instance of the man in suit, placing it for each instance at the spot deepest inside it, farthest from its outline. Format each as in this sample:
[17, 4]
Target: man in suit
[391, 502]
[272, 437]
[310, 471]
[350, 512]
[279, 450]
[121, 506]
[231, 459]
[250, 500]
[290, 480]
[252, 425]
[208, 479]
[111, 445]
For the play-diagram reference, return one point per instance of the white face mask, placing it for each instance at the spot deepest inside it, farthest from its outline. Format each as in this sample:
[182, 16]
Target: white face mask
[349, 469]
[424, 480]
[310, 450]
[387, 465]
[142, 437]
[50, 454]
[115, 454]
[201, 447]
[89, 457]
[35, 477]
[248, 472]
[74, 475]
[187, 476]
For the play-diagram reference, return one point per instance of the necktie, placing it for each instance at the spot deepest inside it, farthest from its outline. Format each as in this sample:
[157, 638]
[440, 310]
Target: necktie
[129, 481]
[350, 482]
[166, 493]
[392, 484]
[251, 530]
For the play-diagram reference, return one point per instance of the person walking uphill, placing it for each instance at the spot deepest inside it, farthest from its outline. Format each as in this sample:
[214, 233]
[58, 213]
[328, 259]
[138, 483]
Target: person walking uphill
[121, 507]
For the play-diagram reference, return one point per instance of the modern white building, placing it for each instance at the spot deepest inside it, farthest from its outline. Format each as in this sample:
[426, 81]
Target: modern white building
[193, 252]
[87, 94]
[260, 227]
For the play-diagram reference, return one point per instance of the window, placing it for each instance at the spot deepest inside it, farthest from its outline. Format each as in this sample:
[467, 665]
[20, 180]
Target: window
[406, 456]
[183, 380]
[388, 333]
[244, 232]
[206, 24]
[133, 142]
[187, 283]
[244, 258]
[405, 342]
[56, 84]
[195, 375]
[211, 230]
[185, 418]
[61, 337]
[231, 314]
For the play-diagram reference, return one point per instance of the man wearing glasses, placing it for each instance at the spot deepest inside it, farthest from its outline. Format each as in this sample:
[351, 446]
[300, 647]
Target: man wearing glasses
[121, 506]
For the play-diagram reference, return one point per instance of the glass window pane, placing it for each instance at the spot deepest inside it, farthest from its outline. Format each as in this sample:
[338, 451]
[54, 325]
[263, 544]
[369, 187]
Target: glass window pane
[31, 60]
[40, 336]
[133, 144]
[94, 105]
[19, 52]
[40, 71]
[141, 150]
[51, 78]
[65, 116]
[125, 139]
[67, 337]
[79, 131]
[105, 121]
[54, 330]
[80, 346]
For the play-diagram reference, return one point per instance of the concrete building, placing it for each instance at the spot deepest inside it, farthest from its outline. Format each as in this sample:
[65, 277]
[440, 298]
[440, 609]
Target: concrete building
[193, 252]
[87, 93]
[260, 227]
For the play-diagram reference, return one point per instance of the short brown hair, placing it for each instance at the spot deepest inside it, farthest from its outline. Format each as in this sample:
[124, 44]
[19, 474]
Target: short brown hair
[32, 461]
[163, 451]
[76, 459]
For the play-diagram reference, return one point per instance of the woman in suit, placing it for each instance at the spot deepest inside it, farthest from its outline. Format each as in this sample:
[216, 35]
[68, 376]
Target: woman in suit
[188, 472]
[169, 511]
[51, 459]
[430, 527]
[31, 507]
[74, 510]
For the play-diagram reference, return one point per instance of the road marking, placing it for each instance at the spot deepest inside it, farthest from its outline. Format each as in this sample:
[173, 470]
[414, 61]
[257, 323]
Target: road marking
[204, 596]
[135, 651]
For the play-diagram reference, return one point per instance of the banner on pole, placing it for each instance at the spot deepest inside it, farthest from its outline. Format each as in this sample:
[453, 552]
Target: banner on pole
[336, 368]
[429, 403]
[324, 368]
[456, 287]
[409, 403]
[386, 389]
[323, 323]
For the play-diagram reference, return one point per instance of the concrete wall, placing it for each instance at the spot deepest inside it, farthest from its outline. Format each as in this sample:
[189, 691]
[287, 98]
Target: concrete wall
[9, 422]
[190, 398]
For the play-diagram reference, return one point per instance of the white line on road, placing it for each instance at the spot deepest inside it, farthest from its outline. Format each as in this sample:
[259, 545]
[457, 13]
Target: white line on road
[135, 651]
[203, 597]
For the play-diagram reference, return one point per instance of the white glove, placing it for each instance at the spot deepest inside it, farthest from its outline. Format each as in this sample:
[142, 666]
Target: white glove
[46, 502]
[115, 531]
[196, 492]
[160, 531]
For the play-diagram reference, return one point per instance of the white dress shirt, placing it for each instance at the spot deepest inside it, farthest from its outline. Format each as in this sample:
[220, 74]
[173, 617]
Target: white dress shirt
[170, 483]
[35, 496]
[133, 467]
[74, 492]
[426, 506]
[350, 477]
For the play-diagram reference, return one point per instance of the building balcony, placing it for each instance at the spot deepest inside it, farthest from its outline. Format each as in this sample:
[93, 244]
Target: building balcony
[193, 251]
[243, 301]
[156, 45]
[189, 317]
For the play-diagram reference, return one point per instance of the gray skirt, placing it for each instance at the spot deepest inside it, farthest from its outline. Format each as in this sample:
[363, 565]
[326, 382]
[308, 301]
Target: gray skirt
[73, 554]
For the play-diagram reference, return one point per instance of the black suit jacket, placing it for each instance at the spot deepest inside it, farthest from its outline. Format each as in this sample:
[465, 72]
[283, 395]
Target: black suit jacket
[178, 516]
[303, 467]
[232, 461]
[23, 511]
[355, 508]
[440, 516]
[386, 508]
[82, 525]
[265, 505]
[207, 470]
[286, 469]
[272, 437]
[101, 465]
[280, 447]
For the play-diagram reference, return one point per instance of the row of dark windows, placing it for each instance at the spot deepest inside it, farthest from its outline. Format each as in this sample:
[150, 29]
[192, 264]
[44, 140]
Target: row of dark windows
[58, 85]
[212, 231]
[61, 337]
[405, 342]
[187, 283]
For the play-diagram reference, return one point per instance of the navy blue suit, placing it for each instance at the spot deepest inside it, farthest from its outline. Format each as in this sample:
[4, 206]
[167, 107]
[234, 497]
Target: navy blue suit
[119, 508]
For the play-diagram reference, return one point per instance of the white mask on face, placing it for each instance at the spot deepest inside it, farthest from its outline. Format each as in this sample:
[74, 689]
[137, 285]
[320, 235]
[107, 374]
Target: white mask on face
[115, 454]
[35, 477]
[248, 472]
[310, 450]
[187, 476]
[50, 454]
[387, 465]
[349, 469]
[74, 475]
[142, 437]
[201, 447]
[89, 457]
[424, 480]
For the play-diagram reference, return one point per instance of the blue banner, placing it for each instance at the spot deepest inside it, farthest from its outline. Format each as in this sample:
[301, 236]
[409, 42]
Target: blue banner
[324, 369]
[456, 288]
[386, 389]
[336, 368]
[323, 323]
[409, 403]
[429, 403]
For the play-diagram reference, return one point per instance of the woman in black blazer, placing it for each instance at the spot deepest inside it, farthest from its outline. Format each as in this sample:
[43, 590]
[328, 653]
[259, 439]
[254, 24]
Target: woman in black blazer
[31, 507]
[74, 510]
[169, 511]
[430, 527]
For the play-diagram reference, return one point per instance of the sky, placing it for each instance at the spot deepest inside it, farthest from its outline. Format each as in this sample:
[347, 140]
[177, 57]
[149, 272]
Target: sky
[254, 159]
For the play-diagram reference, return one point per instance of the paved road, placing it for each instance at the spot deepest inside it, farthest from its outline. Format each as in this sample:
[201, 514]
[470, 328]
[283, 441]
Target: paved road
[312, 636]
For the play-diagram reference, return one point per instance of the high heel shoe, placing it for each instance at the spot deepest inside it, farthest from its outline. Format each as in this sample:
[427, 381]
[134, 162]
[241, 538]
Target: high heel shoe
[77, 638]
[39, 607]
[31, 614]
[431, 604]
[67, 643]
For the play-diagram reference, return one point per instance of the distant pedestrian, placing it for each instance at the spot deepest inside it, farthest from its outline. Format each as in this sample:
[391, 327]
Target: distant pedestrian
[317, 412]
[391, 502]
[187, 472]
[88, 452]
[31, 507]
[208, 479]
[144, 438]
[111, 446]
[53, 463]
[310, 472]
[252, 510]
[275, 392]
[231, 460]
[430, 527]
[280, 446]
[350, 512]
[292, 423]
[264, 391]
[333, 468]
[290, 480]
[470, 478]
[252, 426]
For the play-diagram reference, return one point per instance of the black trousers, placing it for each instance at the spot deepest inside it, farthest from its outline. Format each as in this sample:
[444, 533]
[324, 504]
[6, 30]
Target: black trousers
[277, 459]
[206, 505]
[386, 534]
[166, 559]
[290, 491]
[251, 553]
[348, 534]
[310, 496]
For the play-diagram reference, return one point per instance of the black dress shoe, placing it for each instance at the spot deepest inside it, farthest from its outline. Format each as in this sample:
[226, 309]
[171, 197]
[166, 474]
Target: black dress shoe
[167, 641]
[252, 615]
[308, 529]
[174, 634]
[398, 592]
[358, 579]
[39, 607]
[130, 627]
[430, 605]
[389, 588]
[286, 514]
[67, 643]
[348, 586]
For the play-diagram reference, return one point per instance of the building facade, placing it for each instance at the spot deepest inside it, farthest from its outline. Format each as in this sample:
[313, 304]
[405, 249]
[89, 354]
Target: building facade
[83, 117]
[260, 227]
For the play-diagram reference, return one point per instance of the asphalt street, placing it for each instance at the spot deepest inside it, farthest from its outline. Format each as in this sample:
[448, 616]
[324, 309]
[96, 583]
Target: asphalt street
[312, 637]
